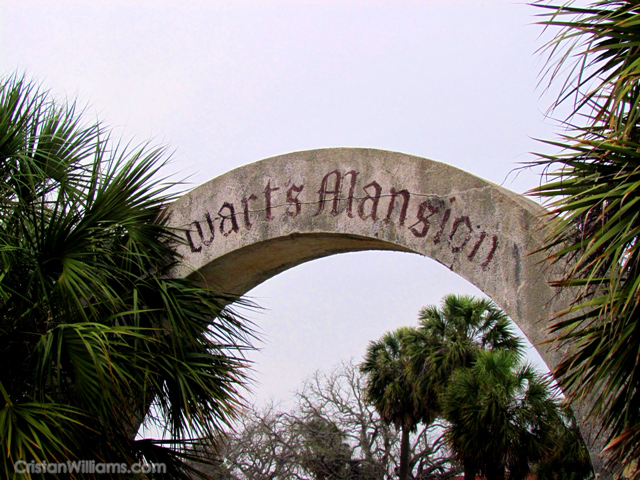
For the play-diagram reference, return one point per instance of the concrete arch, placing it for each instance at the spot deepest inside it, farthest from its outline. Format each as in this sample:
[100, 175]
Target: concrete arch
[261, 219]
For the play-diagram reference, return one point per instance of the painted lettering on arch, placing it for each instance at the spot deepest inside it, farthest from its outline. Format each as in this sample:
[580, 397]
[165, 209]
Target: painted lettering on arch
[349, 196]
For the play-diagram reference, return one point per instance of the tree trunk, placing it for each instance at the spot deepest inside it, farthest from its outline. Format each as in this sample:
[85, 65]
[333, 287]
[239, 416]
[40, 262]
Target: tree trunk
[404, 453]
[490, 472]
[469, 470]
[495, 471]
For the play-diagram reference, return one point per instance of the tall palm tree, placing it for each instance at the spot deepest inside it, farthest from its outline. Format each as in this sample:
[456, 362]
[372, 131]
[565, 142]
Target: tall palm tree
[594, 192]
[390, 388]
[452, 337]
[92, 327]
[501, 414]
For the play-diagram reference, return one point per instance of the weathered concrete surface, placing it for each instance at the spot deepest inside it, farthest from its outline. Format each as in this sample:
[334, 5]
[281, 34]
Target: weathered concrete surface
[261, 219]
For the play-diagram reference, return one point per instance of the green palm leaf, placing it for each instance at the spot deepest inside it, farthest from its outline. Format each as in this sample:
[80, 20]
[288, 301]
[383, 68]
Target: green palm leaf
[593, 197]
[87, 305]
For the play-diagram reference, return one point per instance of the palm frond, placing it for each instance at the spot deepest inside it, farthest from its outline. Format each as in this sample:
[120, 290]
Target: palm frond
[593, 195]
[86, 300]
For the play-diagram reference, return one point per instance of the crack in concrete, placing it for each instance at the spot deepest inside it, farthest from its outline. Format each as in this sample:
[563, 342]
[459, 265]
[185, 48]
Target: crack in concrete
[343, 201]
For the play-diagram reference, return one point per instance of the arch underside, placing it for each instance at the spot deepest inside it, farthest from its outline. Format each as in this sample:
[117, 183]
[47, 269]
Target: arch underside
[241, 270]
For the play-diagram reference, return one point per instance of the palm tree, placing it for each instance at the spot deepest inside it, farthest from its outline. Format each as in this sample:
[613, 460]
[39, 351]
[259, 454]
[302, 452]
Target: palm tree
[452, 337]
[594, 190]
[569, 458]
[390, 388]
[453, 334]
[92, 327]
[501, 414]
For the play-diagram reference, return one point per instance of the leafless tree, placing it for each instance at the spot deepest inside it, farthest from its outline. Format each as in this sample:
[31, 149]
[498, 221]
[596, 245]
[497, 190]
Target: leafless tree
[330, 434]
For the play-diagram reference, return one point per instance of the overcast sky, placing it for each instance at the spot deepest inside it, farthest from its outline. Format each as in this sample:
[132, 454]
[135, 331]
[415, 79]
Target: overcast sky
[226, 83]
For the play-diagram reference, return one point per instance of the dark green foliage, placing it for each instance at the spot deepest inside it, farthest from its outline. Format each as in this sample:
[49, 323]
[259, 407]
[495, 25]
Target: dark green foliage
[92, 328]
[391, 388]
[502, 415]
[408, 369]
[568, 459]
[462, 364]
[594, 193]
[451, 337]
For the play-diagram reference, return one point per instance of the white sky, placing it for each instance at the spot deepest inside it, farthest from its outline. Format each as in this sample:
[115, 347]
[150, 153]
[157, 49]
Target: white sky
[226, 83]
